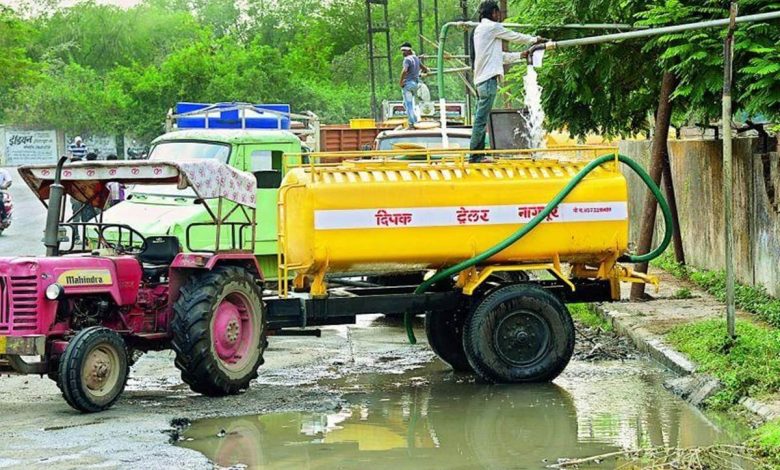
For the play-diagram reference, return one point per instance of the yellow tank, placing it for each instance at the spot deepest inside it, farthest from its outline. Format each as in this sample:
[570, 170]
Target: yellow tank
[387, 216]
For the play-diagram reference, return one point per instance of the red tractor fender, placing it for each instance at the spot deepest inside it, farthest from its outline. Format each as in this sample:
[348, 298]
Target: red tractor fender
[185, 264]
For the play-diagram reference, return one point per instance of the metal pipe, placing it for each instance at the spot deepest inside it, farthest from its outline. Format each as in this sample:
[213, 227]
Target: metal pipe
[728, 172]
[474, 24]
[656, 31]
[51, 237]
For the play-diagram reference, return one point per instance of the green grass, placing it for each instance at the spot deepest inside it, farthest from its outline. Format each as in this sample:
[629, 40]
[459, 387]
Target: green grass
[683, 293]
[750, 366]
[749, 298]
[585, 314]
[766, 441]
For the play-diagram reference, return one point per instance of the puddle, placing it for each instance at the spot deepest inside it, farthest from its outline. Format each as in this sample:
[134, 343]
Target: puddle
[430, 418]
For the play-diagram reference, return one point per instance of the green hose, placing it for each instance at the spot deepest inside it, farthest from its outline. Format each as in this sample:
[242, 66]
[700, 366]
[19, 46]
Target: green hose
[521, 232]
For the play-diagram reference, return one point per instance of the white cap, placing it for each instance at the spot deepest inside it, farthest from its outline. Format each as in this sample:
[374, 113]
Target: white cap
[77, 139]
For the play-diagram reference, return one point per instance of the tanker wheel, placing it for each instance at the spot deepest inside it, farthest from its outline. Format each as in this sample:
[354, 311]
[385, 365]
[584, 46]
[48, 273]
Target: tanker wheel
[218, 331]
[519, 333]
[93, 370]
[444, 331]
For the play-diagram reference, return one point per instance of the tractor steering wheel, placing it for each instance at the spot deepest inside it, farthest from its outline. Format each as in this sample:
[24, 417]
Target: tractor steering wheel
[132, 249]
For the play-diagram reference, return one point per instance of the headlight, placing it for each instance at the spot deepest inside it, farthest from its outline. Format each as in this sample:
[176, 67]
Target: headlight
[54, 291]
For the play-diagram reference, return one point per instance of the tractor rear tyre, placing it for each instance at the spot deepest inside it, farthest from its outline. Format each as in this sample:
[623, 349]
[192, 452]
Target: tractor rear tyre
[93, 370]
[445, 336]
[519, 333]
[219, 331]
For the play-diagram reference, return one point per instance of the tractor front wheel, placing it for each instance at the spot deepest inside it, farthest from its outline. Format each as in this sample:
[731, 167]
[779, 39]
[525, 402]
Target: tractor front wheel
[218, 331]
[519, 333]
[93, 370]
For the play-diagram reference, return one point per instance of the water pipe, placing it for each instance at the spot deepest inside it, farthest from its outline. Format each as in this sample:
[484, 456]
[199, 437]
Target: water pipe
[525, 229]
[650, 32]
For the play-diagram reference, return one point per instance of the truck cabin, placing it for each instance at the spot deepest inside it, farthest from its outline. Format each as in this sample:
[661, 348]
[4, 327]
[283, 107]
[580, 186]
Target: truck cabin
[260, 152]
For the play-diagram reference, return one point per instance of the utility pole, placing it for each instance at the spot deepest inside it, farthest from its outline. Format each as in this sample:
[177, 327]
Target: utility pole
[464, 6]
[420, 25]
[436, 17]
[728, 173]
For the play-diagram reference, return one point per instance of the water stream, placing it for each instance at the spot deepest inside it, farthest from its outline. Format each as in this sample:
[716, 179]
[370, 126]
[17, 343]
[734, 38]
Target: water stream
[533, 103]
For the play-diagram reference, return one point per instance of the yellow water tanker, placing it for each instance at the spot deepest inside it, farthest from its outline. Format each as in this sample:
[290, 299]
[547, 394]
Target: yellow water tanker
[387, 216]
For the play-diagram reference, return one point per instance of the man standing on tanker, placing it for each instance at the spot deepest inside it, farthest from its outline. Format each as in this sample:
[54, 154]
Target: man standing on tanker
[410, 80]
[489, 65]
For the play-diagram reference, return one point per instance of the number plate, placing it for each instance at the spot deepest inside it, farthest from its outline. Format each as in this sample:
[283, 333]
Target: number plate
[3, 342]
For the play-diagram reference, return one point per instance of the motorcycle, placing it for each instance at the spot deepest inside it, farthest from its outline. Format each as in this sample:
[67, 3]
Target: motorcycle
[5, 197]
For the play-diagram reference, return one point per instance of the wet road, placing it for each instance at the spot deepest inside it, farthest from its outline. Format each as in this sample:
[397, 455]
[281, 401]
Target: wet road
[359, 397]
[430, 418]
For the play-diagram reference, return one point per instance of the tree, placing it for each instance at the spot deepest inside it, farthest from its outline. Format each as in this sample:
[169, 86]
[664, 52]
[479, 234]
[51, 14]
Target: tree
[71, 98]
[18, 68]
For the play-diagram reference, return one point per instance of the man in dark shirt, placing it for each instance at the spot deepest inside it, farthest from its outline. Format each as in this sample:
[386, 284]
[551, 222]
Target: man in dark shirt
[410, 80]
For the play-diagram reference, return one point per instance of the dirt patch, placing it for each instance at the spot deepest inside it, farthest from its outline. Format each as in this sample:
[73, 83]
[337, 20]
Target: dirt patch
[596, 344]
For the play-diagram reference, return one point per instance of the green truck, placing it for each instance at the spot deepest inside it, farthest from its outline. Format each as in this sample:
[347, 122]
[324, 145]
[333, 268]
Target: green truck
[167, 210]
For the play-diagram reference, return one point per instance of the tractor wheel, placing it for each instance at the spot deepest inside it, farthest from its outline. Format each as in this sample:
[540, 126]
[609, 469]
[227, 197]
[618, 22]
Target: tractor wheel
[445, 336]
[519, 333]
[219, 331]
[93, 370]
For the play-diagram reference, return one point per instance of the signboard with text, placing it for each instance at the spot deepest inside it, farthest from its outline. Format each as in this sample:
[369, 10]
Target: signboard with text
[23, 147]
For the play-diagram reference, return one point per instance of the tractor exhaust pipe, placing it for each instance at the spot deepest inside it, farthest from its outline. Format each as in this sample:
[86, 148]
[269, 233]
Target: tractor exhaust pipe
[51, 237]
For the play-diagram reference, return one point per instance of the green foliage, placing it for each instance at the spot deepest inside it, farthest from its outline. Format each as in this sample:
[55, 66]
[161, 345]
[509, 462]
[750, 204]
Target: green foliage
[585, 314]
[749, 366]
[683, 294]
[696, 57]
[73, 98]
[753, 299]
[613, 88]
[766, 441]
[102, 68]
[16, 39]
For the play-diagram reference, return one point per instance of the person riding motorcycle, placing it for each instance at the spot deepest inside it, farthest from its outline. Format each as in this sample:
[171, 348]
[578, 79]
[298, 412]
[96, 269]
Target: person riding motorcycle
[5, 183]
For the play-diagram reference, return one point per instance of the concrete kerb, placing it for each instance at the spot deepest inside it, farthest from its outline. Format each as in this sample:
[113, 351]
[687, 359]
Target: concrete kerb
[691, 385]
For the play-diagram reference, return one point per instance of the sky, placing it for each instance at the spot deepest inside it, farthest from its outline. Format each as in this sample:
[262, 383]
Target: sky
[66, 3]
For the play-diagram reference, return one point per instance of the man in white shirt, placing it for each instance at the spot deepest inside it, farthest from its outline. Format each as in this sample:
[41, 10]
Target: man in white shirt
[489, 65]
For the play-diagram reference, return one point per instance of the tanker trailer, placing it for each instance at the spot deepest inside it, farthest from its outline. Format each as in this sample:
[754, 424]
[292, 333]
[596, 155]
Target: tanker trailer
[462, 223]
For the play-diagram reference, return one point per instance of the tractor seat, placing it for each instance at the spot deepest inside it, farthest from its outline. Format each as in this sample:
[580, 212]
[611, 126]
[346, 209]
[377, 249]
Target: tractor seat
[159, 252]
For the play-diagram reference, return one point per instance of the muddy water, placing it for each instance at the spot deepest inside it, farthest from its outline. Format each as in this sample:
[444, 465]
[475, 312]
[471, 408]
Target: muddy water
[430, 418]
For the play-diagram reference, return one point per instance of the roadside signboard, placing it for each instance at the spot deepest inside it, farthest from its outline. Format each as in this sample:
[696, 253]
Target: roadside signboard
[23, 147]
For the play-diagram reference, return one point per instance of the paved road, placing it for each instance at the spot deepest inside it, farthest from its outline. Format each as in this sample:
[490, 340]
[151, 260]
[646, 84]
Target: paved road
[24, 235]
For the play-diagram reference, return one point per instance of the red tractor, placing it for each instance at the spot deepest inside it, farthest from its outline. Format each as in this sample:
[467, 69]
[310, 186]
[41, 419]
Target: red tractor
[104, 290]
